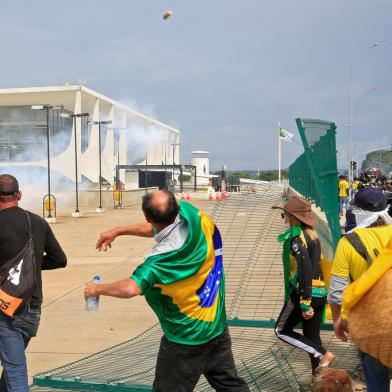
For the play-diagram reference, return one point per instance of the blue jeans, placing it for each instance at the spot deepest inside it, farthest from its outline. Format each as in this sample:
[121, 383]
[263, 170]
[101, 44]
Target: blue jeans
[15, 334]
[343, 202]
[376, 374]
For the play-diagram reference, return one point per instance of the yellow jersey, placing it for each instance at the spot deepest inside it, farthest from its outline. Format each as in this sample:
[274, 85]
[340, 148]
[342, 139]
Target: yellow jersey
[348, 263]
[355, 185]
[344, 186]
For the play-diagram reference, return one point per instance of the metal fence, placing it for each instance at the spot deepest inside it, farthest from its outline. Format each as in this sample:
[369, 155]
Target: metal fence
[254, 299]
[314, 173]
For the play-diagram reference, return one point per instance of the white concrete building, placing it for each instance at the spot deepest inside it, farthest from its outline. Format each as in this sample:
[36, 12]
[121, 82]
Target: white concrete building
[130, 138]
[201, 161]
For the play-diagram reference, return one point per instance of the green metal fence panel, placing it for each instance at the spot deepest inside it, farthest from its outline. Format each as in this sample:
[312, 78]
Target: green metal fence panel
[314, 174]
[254, 298]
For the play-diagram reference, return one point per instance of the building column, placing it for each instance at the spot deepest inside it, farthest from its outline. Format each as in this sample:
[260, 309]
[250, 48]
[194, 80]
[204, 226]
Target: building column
[90, 158]
[78, 122]
[108, 151]
[177, 149]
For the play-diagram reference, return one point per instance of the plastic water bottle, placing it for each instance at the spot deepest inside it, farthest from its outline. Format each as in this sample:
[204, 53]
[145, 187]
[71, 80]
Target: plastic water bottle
[92, 302]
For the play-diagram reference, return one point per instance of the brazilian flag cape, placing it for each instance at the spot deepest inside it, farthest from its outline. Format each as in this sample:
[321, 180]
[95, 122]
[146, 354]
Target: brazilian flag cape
[186, 287]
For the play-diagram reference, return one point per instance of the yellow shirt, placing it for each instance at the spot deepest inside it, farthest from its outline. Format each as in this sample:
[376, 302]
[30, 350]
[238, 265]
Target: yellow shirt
[343, 188]
[348, 263]
[355, 185]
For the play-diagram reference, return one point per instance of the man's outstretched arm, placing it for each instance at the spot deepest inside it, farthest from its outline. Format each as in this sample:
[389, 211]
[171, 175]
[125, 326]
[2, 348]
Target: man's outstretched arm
[126, 288]
[140, 230]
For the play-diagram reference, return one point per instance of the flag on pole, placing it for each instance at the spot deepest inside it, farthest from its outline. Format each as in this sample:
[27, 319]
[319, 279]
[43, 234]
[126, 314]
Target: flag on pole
[285, 135]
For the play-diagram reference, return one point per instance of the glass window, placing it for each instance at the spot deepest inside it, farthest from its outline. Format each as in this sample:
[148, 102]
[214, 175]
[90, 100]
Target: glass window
[4, 154]
[28, 134]
[23, 133]
[15, 134]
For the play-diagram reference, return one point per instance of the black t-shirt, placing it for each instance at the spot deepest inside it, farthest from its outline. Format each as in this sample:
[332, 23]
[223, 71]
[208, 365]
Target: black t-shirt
[13, 238]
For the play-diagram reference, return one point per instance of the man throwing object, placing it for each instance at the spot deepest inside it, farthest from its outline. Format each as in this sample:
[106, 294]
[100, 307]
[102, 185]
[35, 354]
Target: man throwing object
[182, 279]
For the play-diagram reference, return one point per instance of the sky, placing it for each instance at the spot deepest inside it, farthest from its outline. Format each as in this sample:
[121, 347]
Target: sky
[224, 72]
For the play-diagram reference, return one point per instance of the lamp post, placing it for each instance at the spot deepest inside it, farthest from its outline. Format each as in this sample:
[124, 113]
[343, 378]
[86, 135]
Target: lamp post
[49, 218]
[165, 165]
[77, 213]
[99, 123]
[116, 135]
[119, 186]
[174, 147]
[365, 92]
[118, 163]
[349, 102]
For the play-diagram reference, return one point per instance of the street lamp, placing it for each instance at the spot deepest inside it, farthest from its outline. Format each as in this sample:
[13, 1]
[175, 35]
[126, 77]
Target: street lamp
[47, 108]
[99, 123]
[165, 164]
[77, 213]
[174, 146]
[365, 92]
[117, 135]
[349, 102]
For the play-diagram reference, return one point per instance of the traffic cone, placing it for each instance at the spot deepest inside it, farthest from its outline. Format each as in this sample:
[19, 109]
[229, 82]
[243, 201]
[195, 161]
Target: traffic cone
[188, 196]
[182, 196]
[224, 196]
[217, 197]
[210, 198]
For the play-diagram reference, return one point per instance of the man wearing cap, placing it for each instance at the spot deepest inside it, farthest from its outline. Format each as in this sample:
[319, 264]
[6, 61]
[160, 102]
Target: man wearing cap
[16, 332]
[306, 293]
[353, 256]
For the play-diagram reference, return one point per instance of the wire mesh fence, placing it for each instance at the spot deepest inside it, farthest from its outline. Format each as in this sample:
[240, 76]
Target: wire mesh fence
[314, 173]
[255, 294]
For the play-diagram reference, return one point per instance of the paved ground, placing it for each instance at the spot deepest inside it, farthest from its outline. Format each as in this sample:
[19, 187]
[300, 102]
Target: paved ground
[67, 332]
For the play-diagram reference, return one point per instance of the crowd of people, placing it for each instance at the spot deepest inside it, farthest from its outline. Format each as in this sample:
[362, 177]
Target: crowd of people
[182, 279]
[371, 178]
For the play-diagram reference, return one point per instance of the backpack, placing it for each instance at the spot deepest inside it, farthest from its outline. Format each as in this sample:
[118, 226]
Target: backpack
[17, 277]
[358, 245]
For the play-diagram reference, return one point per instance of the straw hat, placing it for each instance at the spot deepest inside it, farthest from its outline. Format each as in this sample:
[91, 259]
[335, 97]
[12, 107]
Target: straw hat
[301, 209]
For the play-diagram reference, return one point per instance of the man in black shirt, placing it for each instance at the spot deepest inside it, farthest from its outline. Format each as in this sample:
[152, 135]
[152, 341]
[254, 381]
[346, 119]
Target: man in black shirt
[15, 332]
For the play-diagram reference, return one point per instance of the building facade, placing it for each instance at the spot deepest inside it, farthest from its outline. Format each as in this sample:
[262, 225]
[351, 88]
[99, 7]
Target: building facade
[32, 117]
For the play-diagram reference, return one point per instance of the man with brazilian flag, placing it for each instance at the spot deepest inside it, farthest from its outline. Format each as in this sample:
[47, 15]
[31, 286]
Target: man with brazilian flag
[182, 279]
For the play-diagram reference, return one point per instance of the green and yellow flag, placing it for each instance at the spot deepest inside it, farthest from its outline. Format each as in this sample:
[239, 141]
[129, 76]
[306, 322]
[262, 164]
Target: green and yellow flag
[185, 287]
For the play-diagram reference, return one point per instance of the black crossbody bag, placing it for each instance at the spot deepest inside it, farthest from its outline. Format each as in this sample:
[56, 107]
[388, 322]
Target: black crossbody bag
[17, 278]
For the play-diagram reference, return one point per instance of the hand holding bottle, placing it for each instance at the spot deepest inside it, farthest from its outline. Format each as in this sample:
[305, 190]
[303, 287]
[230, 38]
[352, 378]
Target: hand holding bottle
[92, 300]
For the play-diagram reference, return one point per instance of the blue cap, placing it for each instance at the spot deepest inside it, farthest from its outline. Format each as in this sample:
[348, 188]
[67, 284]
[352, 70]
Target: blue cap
[97, 277]
[370, 199]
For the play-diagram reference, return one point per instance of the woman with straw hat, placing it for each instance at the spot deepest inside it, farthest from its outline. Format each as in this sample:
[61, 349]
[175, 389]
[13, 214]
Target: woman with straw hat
[306, 293]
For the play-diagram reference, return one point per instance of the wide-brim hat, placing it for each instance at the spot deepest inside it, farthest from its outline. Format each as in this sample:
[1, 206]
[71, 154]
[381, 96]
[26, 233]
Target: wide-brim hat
[301, 209]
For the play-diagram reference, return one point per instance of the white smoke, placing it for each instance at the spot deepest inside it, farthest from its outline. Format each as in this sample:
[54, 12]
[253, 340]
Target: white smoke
[147, 139]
